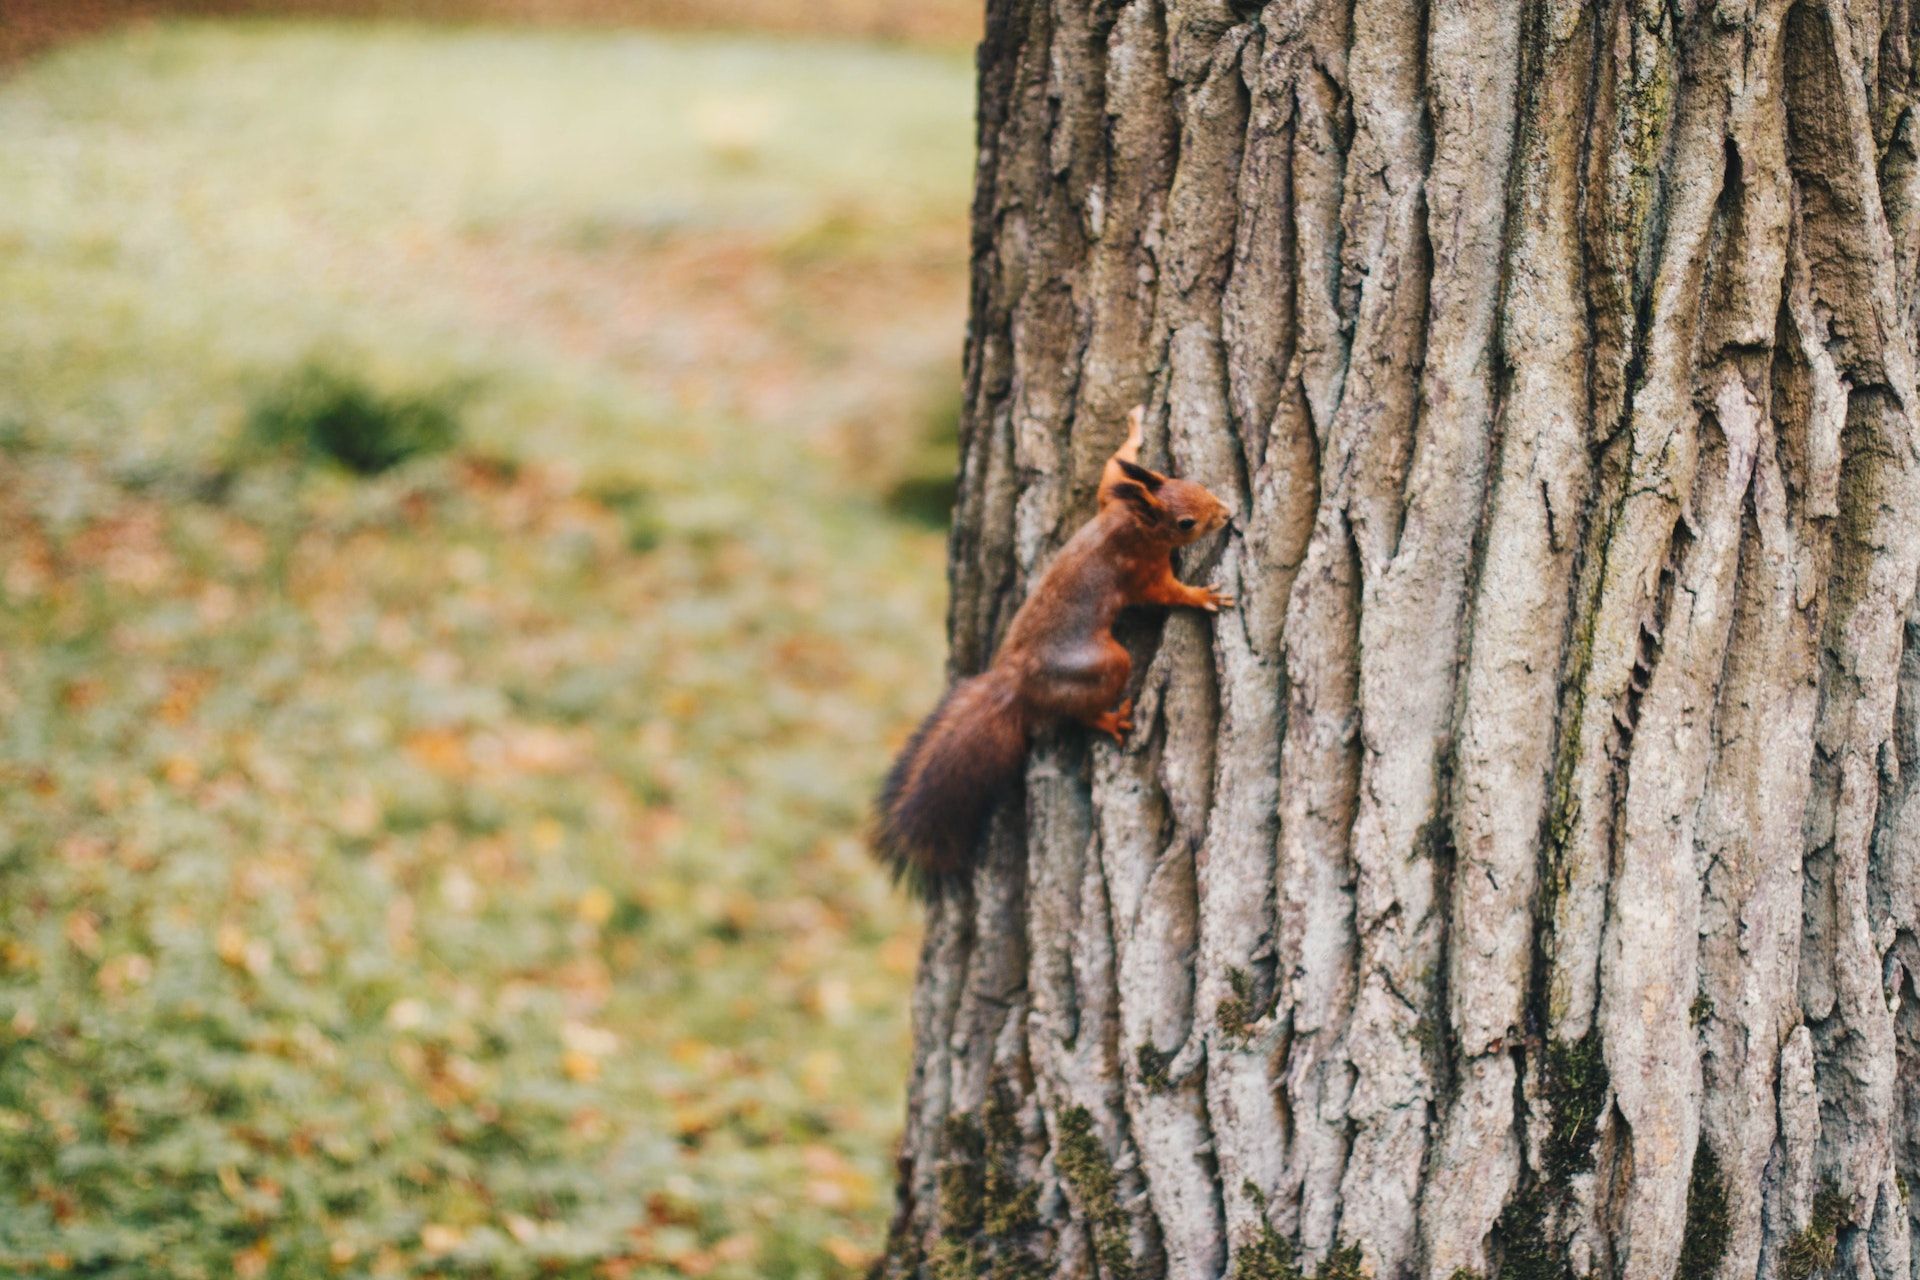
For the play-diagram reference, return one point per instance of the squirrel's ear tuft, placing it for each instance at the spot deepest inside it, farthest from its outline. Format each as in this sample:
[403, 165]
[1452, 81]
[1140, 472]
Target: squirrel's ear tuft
[1136, 496]
[1149, 480]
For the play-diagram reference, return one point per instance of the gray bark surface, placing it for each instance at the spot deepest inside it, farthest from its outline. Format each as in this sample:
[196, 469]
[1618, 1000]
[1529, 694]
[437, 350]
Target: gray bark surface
[1525, 878]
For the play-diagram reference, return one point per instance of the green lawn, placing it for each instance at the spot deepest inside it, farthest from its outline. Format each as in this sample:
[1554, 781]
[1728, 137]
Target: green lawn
[458, 871]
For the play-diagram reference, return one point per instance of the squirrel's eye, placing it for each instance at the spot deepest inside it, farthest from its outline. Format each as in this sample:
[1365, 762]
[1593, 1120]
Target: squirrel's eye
[1187, 522]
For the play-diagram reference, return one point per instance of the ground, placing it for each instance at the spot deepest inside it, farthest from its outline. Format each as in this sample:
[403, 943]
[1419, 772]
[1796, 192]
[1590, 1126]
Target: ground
[458, 871]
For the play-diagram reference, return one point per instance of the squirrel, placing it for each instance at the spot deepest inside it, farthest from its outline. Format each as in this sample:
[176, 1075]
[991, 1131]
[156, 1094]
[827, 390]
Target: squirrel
[1059, 662]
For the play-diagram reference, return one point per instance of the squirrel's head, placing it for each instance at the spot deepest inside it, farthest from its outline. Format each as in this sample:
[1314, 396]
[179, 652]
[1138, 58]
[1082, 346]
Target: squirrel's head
[1176, 511]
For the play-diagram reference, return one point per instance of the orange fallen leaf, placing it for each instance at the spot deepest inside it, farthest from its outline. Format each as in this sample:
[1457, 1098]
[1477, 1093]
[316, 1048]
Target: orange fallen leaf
[441, 750]
[231, 944]
[596, 906]
[438, 1237]
[251, 1262]
[846, 1252]
[181, 771]
[83, 932]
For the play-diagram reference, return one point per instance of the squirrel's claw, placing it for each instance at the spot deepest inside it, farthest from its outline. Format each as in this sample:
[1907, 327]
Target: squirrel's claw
[1216, 600]
[1116, 724]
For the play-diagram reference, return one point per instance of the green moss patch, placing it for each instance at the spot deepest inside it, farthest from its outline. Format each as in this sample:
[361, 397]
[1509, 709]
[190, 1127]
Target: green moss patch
[986, 1208]
[1236, 1014]
[1575, 1089]
[1521, 1241]
[1153, 1065]
[1268, 1255]
[1084, 1163]
[1812, 1250]
[1709, 1227]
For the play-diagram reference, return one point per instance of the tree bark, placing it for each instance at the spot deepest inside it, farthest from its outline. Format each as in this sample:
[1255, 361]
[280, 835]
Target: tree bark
[1524, 878]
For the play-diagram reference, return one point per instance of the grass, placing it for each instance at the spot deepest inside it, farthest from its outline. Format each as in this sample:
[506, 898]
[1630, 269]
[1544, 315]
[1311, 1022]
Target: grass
[457, 870]
[321, 413]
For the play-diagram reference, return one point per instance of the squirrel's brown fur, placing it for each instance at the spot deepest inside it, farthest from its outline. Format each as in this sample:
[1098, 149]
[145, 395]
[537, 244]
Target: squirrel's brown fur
[1059, 662]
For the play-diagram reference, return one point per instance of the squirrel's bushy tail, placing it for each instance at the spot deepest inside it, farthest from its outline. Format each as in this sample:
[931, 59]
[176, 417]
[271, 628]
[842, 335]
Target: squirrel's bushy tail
[945, 778]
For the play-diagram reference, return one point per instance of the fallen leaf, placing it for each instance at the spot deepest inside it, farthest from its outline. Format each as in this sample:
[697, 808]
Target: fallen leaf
[847, 1253]
[231, 944]
[251, 1262]
[407, 1014]
[441, 750]
[437, 1237]
[596, 906]
[83, 933]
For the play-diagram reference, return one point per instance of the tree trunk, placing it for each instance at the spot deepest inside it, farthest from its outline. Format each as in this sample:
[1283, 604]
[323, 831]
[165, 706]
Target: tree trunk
[1523, 879]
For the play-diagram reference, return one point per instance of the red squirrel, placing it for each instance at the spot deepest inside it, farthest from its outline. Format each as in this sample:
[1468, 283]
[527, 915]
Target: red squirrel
[1059, 661]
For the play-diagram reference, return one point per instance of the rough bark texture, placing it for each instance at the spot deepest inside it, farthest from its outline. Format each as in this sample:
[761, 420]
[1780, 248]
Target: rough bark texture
[1525, 877]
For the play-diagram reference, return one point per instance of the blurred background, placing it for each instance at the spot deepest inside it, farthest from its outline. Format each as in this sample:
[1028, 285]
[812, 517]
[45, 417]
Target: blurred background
[472, 487]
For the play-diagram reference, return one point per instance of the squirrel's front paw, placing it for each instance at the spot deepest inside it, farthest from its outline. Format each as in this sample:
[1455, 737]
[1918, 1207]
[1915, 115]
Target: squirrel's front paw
[1215, 600]
[1117, 723]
